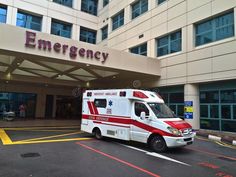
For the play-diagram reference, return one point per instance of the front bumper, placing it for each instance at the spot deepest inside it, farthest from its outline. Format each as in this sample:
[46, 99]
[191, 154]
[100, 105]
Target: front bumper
[179, 141]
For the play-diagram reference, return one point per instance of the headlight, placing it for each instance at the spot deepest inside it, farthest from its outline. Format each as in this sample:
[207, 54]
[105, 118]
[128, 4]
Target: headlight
[174, 131]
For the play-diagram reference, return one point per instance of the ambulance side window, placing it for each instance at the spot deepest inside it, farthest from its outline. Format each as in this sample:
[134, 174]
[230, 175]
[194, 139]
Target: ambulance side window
[140, 107]
[100, 103]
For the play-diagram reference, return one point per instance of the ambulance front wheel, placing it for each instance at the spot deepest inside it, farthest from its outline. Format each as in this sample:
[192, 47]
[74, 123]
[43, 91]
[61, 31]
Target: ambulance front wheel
[158, 144]
[97, 133]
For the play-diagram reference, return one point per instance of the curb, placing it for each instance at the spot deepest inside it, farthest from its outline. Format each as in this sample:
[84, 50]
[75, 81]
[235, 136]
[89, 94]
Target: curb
[225, 139]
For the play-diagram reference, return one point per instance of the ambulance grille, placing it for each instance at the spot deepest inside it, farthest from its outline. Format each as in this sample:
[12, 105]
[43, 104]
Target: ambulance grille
[187, 131]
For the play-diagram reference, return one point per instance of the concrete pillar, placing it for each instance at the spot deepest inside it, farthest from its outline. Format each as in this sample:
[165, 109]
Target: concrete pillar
[41, 104]
[191, 93]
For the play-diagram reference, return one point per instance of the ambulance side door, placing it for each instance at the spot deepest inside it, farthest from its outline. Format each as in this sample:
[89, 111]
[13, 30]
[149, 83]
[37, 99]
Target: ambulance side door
[85, 111]
[138, 132]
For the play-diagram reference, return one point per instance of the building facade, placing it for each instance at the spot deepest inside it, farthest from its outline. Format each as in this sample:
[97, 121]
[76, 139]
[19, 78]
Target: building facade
[183, 49]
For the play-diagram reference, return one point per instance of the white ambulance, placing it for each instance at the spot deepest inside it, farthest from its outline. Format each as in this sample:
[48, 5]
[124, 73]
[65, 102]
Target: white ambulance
[136, 115]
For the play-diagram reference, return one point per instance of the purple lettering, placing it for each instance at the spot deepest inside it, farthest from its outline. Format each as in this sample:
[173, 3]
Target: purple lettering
[82, 52]
[57, 47]
[30, 39]
[89, 54]
[104, 56]
[64, 48]
[97, 55]
[73, 52]
[44, 44]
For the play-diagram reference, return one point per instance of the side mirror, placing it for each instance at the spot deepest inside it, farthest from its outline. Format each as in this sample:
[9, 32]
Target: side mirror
[143, 115]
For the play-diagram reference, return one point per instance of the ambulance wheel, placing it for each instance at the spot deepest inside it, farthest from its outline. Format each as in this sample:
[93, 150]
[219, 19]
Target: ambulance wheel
[158, 144]
[97, 133]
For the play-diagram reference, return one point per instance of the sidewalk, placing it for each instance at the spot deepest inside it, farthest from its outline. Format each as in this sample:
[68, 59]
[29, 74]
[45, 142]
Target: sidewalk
[210, 134]
[39, 123]
[226, 137]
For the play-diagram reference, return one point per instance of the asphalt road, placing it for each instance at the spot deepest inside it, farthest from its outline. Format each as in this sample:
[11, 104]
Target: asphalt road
[67, 152]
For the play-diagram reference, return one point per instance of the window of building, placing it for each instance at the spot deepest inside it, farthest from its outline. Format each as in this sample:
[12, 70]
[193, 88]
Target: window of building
[88, 35]
[29, 21]
[104, 32]
[60, 28]
[67, 3]
[170, 43]
[160, 1]
[89, 6]
[118, 20]
[105, 2]
[217, 110]
[3, 14]
[100, 103]
[215, 29]
[139, 8]
[141, 49]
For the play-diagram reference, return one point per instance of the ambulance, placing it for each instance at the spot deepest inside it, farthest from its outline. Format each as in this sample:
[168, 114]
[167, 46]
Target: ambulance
[136, 115]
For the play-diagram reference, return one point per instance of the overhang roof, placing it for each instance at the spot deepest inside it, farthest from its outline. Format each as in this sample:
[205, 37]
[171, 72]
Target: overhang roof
[19, 62]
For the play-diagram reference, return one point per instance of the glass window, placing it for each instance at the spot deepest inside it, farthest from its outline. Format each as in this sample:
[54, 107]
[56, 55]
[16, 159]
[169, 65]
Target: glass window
[209, 124]
[118, 20]
[204, 111]
[228, 96]
[226, 111]
[160, 1]
[229, 126]
[104, 32]
[3, 14]
[234, 111]
[67, 3]
[214, 111]
[89, 6]
[180, 109]
[100, 103]
[141, 49]
[18, 102]
[176, 97]
[61, 28]
[87, 35]
[215, 29]
[209, 97]
[140, 107]
[139, 8]
[169, 44]
[29, 21]
[105, 2]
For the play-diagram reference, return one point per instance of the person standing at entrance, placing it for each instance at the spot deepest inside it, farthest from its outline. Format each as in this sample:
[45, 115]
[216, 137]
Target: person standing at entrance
[22, 110]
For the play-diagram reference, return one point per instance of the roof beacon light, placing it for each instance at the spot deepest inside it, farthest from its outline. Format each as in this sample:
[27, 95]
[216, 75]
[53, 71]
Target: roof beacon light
[139, 94]
[122, 94]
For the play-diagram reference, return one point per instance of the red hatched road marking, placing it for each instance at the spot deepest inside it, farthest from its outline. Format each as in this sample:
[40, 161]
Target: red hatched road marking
[118, 160]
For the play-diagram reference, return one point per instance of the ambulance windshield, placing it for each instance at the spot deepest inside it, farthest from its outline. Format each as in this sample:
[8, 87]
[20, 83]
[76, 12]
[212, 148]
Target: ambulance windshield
[161, 110]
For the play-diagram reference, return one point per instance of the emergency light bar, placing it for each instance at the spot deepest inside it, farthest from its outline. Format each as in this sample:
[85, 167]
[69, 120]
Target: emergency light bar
[139, 94]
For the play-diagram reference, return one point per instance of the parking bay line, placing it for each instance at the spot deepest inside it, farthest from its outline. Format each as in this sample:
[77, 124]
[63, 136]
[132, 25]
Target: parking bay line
[4, 137]
[53, 136]
[118, 160]
[154, 154]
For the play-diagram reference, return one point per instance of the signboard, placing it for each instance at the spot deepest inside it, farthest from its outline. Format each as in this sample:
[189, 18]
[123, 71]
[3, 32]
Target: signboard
[188, 109]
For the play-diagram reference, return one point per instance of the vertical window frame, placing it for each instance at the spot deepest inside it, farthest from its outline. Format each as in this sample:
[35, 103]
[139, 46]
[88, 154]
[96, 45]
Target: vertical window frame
[118, 19]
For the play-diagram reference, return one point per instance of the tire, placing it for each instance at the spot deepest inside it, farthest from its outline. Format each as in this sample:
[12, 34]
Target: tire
[158, 144]
[98, 134]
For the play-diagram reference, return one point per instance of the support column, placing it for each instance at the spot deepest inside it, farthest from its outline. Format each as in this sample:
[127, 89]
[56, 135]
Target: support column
[41, 104]
[191, 94]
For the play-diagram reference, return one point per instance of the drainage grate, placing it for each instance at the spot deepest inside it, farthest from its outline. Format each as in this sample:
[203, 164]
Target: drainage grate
[31, 154]
[227, 159]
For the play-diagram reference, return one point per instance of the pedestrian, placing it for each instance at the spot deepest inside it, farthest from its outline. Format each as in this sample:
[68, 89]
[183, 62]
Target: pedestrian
[22, 110]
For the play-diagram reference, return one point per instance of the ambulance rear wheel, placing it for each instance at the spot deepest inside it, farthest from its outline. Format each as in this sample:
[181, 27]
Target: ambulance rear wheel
[98, 134]
[158, 144]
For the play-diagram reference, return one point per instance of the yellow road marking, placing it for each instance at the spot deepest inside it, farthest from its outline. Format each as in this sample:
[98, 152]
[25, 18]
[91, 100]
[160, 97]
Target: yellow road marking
[38, 128]
[4, 137]
[49, 141]
[48, 137]
[225, 145]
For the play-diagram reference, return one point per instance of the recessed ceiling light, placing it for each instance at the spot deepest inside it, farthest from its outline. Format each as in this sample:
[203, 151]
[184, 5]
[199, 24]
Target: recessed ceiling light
[114, 77]
[18, 64]
[87, 64]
